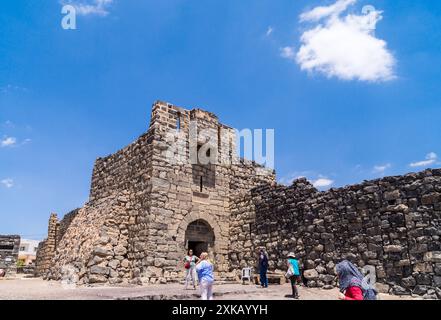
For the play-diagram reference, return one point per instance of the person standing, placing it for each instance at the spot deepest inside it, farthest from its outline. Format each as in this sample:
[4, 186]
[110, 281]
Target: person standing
[204, 269]
[263, 268]
[293, 273]
[190, 261]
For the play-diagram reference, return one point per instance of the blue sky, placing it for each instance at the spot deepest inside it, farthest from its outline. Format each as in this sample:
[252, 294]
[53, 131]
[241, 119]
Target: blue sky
[367, 105]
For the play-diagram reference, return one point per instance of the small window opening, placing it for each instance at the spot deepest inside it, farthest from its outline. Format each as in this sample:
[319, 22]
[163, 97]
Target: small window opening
[219, 142]
[178, 122]
[201, 184]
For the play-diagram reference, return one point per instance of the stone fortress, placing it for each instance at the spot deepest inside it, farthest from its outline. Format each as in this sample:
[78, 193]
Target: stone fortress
[145, 211]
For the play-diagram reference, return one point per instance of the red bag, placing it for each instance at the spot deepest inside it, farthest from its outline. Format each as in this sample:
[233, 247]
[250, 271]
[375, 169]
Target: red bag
[187, 265]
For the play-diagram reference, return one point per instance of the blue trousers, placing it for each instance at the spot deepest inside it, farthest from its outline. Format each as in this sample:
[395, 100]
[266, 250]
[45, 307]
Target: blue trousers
[263, 277]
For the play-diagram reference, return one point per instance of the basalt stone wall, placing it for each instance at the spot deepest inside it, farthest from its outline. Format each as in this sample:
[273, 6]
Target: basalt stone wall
[9, 247]
[391, 224]
[40, 257]
[64, 224]
[94, 247]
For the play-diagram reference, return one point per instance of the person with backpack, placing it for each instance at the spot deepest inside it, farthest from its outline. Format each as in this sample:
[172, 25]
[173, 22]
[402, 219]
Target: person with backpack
[293, 274]
[190, 261]
[263, 268]
[353, 286]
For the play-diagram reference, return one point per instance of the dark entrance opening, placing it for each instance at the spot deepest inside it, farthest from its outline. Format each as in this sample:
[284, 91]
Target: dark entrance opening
[198, 247]
[199, 237]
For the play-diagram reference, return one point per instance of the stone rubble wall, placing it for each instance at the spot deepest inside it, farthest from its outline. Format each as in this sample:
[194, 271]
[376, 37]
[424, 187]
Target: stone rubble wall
[47, 248]
[392, 224]
[9, 248]
[94, 247]
[64, 224]
[40, 259]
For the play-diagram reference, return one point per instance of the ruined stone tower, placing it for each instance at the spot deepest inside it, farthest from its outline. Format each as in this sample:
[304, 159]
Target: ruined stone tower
[149, 203]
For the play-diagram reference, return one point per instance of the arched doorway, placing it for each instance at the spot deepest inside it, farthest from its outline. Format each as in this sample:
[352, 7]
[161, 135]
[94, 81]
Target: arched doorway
[199, 237]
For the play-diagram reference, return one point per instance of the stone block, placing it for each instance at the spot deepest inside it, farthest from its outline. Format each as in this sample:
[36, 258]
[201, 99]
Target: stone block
[311, 274]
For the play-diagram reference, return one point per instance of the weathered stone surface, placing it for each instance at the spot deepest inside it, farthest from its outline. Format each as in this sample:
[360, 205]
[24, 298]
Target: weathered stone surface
[437, 269]
[400, 291]
[409, 282]
[144, 202]
[9, 248]
[392, 195]
[394, 249]
[420, 290]
[94, 278]
[101, 252]
[310, 274]
[99, 270]
[143, 210]
[434, 256]
[120, 251]
[379, 223]
[382, 288]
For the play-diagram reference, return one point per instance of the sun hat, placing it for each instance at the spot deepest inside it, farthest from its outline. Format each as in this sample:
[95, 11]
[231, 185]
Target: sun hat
[291, 255]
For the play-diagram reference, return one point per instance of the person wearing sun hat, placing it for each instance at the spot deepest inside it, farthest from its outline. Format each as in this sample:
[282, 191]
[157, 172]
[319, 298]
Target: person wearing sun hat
[293, 273]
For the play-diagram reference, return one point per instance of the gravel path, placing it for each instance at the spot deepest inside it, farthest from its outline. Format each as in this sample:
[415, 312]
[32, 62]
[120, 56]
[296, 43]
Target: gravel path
[38, 289]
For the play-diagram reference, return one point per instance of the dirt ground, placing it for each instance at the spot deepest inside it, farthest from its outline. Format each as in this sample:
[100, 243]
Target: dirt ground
[38, 289]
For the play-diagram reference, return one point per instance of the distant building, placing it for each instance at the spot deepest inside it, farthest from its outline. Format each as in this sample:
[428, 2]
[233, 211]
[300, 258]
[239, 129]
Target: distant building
[28, 251]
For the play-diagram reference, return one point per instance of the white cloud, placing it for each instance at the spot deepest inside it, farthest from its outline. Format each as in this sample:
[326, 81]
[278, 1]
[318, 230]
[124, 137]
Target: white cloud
[8, 124]
[431, 158]
[345, 47]
[90, 7]
[26, 141]
[8, 183]
[269, 31]
[323, 182]
[12, 88]
[381, 168]
[8, 142]
[322, 12]
[287, 52]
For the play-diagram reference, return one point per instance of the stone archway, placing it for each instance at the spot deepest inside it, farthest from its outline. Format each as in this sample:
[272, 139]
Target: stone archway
[192, 217]
[199, 237]
[218, 251]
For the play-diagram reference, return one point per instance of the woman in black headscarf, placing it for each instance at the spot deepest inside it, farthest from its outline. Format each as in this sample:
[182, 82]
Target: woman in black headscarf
[263, 268]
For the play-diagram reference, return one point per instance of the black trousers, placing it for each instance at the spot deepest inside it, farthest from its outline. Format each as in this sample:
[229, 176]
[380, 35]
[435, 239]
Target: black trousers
[294, 280]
